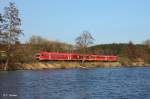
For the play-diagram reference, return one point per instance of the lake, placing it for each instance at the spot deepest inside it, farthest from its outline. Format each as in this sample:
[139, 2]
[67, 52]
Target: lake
[95, 83]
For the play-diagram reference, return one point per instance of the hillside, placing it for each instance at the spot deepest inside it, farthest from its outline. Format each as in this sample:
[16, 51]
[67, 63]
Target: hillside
[127, 52]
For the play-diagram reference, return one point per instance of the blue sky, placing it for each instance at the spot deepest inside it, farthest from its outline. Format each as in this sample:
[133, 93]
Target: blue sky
[109, 21]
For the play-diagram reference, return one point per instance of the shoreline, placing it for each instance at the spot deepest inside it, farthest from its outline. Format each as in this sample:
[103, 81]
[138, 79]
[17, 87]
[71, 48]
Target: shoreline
[73, 65]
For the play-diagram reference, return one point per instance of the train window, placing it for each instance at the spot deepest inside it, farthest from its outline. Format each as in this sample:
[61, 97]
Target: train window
[44, 55]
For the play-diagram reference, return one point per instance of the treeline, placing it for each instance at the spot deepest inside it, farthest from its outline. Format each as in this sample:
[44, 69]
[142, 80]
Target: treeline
[42, 44]
[128, 52]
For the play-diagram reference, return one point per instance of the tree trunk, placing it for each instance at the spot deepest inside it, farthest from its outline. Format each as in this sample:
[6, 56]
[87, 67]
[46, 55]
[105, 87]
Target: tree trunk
[6, 64]
[8, 57]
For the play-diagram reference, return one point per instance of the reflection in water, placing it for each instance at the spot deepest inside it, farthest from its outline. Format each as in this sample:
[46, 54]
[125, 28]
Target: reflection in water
[104, 83]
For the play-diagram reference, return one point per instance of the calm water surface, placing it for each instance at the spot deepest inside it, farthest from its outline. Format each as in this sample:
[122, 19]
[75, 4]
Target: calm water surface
[102, 83]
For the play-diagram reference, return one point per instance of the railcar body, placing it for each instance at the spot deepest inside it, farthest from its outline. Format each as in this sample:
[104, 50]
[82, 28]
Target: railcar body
[58, 56]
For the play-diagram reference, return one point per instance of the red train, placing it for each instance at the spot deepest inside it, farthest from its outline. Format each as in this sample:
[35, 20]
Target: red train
[57, 56]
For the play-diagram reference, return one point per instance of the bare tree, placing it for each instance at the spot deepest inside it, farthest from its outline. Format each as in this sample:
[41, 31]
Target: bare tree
[1, 27]
[11, 29]
[0, 17]
[131, 51]
[84, 40]
[147, 42]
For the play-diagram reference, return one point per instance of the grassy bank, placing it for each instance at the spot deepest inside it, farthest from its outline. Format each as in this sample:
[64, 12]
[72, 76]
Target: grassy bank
[67, 65]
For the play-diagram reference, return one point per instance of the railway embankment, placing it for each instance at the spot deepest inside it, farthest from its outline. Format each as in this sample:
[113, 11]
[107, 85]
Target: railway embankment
[67, 65]
[70, 65]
